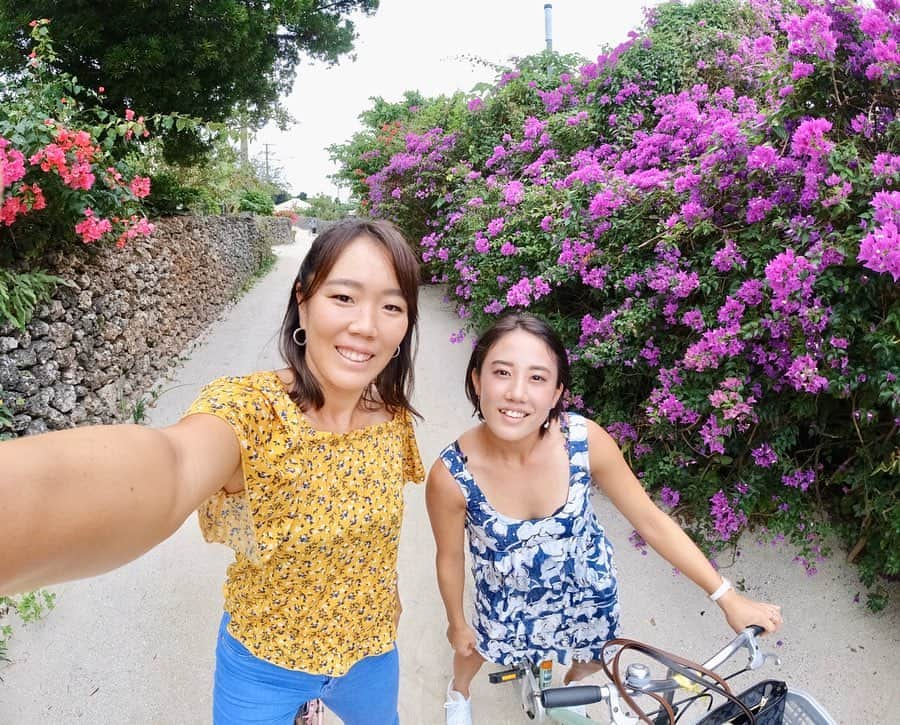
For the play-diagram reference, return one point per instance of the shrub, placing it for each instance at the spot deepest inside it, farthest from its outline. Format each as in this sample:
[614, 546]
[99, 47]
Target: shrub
[64, 180]
[709, 215]
[257, 202]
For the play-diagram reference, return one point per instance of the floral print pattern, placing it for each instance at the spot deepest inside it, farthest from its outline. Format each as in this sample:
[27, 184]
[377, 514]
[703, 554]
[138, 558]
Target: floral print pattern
[544, 588]
[315, 530]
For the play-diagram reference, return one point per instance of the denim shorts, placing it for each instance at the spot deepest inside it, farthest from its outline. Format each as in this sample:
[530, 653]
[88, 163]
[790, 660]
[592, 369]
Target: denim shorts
[248, 689]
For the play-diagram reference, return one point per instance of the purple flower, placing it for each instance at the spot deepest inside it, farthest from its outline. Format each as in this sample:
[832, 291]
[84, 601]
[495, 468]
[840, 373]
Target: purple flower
[809, 138]
[764, 456]
[519, 295]
[495, 226]
[669, 496]
[803, 375]
[508, 249]
[726, 520]
[547, 223]
[622, 432]
[514, 193]
[802, 478]
[541, 288]
[495, 307]
[801, 70]
[694, 320]
[534, 127]
[475, 104]
[727, 258]
[638, 542]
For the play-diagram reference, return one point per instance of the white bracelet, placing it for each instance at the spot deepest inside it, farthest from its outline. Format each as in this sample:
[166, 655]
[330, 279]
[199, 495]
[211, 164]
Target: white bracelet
[720, 592]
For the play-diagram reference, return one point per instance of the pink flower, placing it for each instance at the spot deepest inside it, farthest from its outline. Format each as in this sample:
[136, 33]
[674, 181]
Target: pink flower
[92, 229]
[140, 186]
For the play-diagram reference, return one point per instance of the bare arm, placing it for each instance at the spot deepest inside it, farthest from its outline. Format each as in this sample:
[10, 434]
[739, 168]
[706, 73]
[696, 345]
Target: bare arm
[80, 502]
[615, 478]
[447, 513]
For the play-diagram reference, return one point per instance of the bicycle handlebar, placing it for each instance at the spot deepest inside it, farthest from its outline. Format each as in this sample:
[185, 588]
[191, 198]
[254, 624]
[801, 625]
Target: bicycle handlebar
[556, 697]
[570, 696]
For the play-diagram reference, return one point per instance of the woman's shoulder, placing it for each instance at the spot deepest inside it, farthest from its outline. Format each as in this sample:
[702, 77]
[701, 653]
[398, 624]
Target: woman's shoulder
[252, 394]
[262, 381]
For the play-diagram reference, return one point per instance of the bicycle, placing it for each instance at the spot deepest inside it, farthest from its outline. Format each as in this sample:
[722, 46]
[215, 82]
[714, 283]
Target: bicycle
[310, 713]
[543, 703]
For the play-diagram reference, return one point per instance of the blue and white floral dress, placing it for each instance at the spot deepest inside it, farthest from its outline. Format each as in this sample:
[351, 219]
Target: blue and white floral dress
[544, 588]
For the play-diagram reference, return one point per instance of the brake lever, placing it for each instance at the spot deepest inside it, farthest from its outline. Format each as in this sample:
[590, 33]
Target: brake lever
[757, 657]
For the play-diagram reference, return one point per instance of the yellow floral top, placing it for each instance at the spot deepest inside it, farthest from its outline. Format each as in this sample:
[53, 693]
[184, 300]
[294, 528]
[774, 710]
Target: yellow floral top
[315, 531]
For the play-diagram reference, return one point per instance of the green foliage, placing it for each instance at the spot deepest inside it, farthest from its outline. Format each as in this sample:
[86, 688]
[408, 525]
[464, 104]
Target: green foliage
[214, 185]
[169, 197]
[21, 292]
[209, 60]
[28, 608]
[327, 208]
[257, 202]
[5, 418]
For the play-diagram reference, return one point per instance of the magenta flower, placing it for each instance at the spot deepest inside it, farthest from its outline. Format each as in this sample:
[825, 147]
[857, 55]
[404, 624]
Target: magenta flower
[803, 375]
[726, 520]
[669, 496]
[809, 138]
[514, 193]
[495, 226]
[764, 456]
[508, 249]
[801, 478]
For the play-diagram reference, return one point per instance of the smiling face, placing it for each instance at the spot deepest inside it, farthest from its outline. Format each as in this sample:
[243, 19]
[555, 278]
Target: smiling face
[355, 319]
[517, 385]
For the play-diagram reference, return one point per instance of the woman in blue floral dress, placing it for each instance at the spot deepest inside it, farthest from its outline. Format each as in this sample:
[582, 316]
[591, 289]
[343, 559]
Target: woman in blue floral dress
[519, 485]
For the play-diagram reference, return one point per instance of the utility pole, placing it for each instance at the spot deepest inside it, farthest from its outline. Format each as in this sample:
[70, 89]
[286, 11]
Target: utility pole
[245, 152]
[548, 25]
[266, 145]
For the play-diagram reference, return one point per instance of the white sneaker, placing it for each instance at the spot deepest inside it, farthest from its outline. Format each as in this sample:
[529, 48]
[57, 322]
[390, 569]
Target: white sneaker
[577, 709]
[457, 709]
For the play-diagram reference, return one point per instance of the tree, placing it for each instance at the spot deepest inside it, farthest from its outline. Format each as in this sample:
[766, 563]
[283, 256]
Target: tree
[211, 60]
[322, 206]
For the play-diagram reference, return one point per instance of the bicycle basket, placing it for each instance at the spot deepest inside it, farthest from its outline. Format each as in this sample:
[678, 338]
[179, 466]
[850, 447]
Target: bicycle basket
[766, 700]
[801, 708]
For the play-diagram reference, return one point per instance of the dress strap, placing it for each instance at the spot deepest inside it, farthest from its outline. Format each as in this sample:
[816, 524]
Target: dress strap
[455, 460]
[577, 434]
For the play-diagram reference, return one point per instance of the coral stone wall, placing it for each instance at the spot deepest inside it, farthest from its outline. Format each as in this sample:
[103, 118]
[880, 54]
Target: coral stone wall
[122, 316]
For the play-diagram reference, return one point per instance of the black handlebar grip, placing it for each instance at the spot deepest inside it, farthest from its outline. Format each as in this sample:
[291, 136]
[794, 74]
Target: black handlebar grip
[569, 696]
[756, 629]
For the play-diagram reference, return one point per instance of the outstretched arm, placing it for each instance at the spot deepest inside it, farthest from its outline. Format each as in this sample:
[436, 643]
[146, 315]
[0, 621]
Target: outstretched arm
[615, 478]
[79, 502]
[447, 513]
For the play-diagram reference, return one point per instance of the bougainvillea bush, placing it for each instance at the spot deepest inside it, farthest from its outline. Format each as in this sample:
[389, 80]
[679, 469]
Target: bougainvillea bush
[709, 215]
[64, 175]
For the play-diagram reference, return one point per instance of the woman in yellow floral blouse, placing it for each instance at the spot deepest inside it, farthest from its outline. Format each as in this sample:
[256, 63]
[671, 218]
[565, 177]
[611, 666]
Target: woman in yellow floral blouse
[299, 470]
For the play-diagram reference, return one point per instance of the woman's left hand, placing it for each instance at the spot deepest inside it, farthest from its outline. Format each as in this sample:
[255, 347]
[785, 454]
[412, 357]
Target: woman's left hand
[741, 612]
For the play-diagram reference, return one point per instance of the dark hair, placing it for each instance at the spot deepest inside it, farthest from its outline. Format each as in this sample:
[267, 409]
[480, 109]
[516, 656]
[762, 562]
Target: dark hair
[394, 384]
[503, 326]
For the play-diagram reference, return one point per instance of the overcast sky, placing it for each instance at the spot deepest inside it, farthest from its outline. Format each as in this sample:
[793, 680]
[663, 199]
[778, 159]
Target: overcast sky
[417, 45]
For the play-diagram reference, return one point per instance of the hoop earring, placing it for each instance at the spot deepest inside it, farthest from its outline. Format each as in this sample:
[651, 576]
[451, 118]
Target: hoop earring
[396, 353]
[302, 341]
